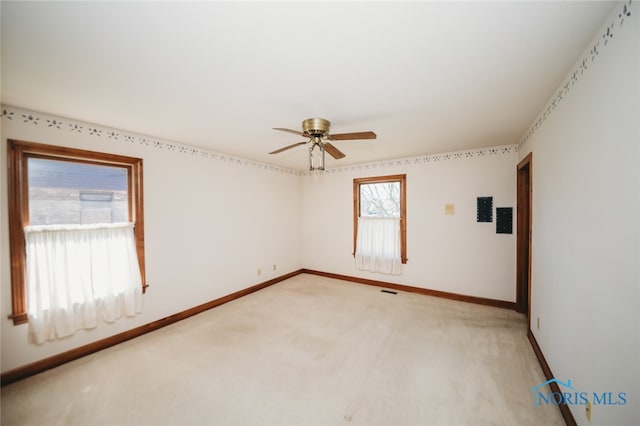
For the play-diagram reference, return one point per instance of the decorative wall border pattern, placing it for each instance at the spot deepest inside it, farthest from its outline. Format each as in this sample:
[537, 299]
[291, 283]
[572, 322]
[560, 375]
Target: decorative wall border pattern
[59, 124]
[423, 159]
[599, 43]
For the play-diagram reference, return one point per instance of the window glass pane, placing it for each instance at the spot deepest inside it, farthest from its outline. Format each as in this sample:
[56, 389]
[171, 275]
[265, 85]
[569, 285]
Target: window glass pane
[68, 192]
[380, 199]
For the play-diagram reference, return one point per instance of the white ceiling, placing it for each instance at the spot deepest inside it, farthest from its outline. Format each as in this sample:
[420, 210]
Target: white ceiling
[427, 77]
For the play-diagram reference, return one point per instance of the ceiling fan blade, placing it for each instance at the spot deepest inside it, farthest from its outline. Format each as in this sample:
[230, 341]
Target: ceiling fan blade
[287, 147]
[295, 132]
[333, 151]
[352, 136]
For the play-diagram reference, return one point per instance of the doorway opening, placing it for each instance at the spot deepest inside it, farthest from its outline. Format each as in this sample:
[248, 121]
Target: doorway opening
[523, 240]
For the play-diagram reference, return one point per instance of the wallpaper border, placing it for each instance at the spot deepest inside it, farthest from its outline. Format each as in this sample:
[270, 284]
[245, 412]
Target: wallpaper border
[423, 159]
[55, 123]
[598, 44]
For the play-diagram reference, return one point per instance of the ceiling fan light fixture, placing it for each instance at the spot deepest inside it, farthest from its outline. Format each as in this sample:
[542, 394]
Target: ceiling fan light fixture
[317, 131]
[316, 156]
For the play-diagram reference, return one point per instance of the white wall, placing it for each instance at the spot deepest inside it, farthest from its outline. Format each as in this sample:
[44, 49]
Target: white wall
[210, 222]
[586, 223]
[448, 253]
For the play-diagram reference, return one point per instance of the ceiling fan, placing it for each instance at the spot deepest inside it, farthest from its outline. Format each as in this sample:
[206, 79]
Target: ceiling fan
[317, 131]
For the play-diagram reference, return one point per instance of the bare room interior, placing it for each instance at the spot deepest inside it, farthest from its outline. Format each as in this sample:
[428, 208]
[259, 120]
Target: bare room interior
[320, 213]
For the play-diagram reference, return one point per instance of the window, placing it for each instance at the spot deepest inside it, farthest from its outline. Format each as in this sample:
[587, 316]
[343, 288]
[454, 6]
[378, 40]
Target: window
[77, 197]
[382, 198]
[70, 192]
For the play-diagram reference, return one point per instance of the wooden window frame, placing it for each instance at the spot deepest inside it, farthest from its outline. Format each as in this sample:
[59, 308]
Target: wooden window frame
[18, 152]
[402, 179]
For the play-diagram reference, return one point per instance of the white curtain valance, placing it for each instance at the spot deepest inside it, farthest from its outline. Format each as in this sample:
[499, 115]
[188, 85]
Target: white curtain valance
[378, 247]
[79, 273]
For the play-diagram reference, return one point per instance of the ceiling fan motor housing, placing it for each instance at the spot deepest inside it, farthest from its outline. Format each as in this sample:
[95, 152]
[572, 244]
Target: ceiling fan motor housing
[316, 126]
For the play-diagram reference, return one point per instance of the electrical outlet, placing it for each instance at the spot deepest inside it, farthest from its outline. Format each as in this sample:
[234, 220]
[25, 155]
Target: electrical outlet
[274, 266]
[588, 410]
[259, 271]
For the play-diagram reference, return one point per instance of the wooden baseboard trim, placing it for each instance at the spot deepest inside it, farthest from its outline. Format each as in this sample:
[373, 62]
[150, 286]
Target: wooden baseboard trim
[425, 291]
[564, 409]
[28, 370]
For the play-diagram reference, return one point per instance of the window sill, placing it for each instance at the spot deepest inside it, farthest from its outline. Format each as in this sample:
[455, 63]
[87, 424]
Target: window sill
[20, 318]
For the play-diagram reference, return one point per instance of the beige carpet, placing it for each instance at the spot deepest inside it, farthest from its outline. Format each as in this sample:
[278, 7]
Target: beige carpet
[306, 351]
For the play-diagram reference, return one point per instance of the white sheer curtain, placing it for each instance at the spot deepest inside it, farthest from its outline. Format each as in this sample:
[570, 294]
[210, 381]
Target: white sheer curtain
[79, 273]
[378, 245]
